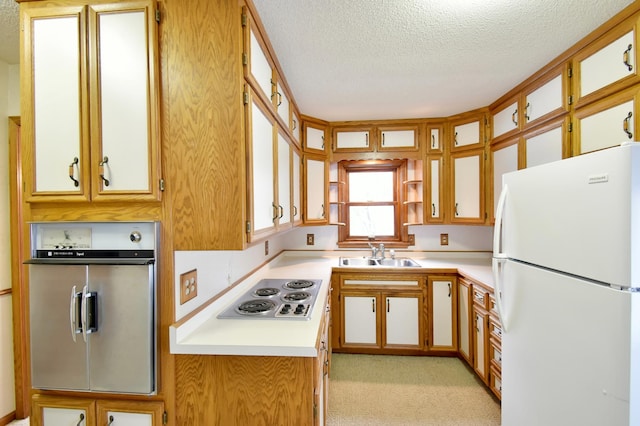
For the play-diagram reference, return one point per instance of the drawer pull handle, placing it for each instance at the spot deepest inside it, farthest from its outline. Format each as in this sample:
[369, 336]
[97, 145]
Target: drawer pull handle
[514, 117]
[81, 419]
[110, 421]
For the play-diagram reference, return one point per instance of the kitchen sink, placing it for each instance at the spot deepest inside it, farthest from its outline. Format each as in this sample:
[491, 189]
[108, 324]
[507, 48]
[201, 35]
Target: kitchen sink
[398, 262]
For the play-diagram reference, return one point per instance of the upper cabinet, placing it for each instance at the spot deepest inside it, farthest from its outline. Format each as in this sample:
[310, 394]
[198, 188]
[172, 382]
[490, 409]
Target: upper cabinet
[314, 137]
[607, 122]
[375, 137]
[352, 139]
[467, 131]
[546, 97]
[506, 119]
[607, 65]
[90, 130]
[435, 138]
[262, 74]
[398, 138]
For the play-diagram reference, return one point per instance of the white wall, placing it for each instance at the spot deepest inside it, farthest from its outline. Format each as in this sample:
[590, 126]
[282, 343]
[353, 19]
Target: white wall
[219, 269]
[9, 106]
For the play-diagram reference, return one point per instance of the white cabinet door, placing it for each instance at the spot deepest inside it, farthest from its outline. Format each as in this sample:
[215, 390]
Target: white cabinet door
[360, 320]
[260, 66]
[56, 68]
[543, 100]
[436, 190]
[284, 181]
[480, 331]
[467, 183]
[607, 128]
[63, 416]
[315, 138]
[543, 148]
[346, 140]
[124, 104]
[316, 172]
[282, 104]
[442, 313]
[504, 160]
[434, 139]
[263, 196]
[466, 134]
[116, 418]
[296, 127]
[613, 62]
[402, 321]
[464, 319]
[506, 120]
[296, 177]
[390, 139]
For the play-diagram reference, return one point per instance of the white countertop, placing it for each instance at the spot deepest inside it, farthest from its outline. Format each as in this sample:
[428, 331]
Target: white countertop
[204, 334]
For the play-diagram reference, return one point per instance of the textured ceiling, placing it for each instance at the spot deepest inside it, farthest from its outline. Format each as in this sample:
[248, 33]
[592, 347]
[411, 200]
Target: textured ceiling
[383, 59]
[9, 35]
[377, 59]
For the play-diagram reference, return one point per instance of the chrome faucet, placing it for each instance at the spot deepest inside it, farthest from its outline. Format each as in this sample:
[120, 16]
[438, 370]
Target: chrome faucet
[376, 252]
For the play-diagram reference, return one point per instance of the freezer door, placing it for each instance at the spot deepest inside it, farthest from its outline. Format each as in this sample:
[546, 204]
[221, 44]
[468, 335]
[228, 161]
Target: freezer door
[58, 348]
[577, 215]
[122, 348]
[566, 355]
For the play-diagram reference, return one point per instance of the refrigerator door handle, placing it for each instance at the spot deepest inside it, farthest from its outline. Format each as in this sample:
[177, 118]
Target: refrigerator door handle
[497, 230]
[499, 256]
[497, 269]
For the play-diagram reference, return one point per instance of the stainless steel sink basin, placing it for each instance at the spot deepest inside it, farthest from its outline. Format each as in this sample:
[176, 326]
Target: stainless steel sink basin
[357, 261]
[398, 262]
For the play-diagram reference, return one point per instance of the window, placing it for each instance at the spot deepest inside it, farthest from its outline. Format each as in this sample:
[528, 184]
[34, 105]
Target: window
[371, 203]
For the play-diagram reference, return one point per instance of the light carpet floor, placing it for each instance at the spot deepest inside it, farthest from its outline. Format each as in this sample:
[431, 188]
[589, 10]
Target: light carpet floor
[403, 390]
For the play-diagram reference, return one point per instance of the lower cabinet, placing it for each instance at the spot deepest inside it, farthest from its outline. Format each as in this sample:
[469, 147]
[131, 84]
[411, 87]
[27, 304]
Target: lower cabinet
[382, 320]
[480, 333]
[442, 313]
[385, 314]
[248, 390]
[465, 314]
[57, 411]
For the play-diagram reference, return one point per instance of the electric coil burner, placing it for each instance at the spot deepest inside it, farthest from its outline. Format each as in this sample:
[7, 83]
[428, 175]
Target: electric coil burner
[275, 298]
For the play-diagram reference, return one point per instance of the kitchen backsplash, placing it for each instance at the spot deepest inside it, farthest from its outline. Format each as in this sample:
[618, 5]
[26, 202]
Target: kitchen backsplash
[219, 269]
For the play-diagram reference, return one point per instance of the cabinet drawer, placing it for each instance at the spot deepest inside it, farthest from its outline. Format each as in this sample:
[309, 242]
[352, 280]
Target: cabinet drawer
[495, 382]
[481, 297]
[378, 283]
[495, 328]
[495, 354]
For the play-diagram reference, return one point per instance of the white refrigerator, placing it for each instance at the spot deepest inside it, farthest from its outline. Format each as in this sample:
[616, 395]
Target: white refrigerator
[566, 266]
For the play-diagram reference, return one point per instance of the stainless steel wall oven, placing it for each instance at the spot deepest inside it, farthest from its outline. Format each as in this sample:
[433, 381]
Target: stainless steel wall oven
[92, 306]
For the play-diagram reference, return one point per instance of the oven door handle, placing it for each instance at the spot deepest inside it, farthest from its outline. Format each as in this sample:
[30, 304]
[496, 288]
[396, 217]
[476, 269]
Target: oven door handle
[89, 309]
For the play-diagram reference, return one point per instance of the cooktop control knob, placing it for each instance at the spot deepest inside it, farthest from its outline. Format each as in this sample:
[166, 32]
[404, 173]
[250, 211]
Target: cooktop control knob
[135, 236]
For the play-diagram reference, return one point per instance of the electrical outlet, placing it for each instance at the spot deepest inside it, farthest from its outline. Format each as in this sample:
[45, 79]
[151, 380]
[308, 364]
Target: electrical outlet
[310, 239]
[412, 239]
[266, 248]
[188, 286]
[444, 239]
